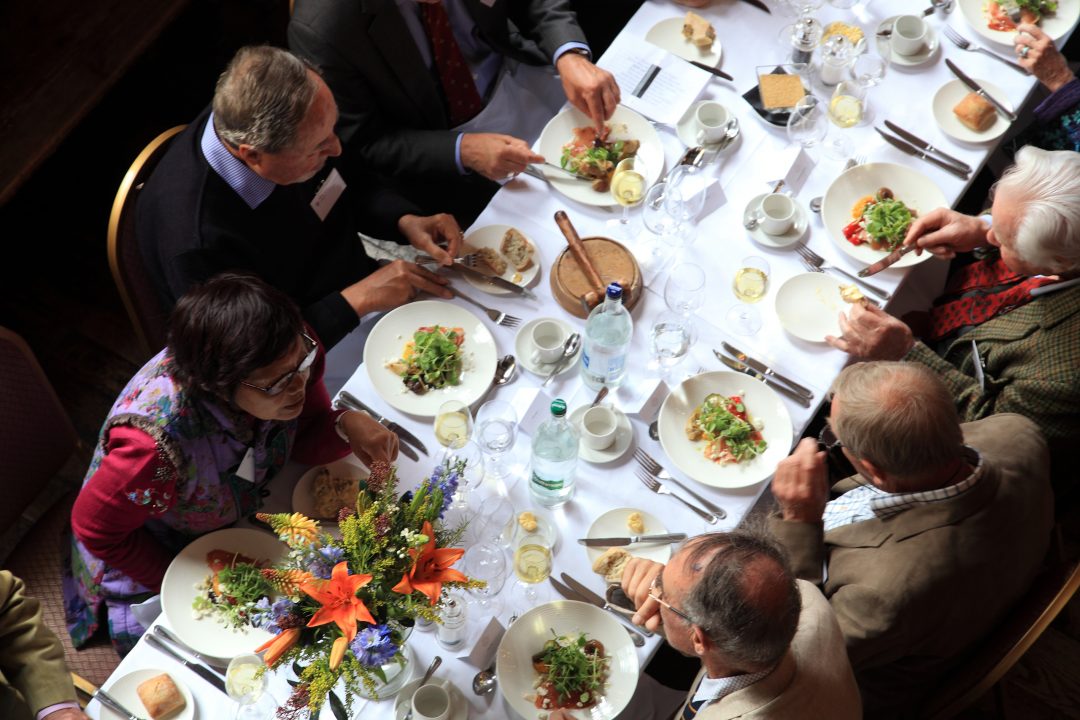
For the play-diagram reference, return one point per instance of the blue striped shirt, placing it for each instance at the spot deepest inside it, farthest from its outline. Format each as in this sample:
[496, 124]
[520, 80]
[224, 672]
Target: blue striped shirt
[234, 171]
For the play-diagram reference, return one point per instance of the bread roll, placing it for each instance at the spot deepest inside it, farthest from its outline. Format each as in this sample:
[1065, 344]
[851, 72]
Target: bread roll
[517, 249]
[698, 30]
[490, 257]
[611, 564]
[160, 697]
[975, 112]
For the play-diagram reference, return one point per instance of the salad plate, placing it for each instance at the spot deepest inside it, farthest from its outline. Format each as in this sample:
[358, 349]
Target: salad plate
[387, 341]
[491, 236]
[762, 404]
[125, 690]
[613, 524]
[208, 634]
[526, 637]
[1055, 25]
[929, 47]
[667, 34]
[808, 306]
[792, 236]
[952, 92]
[625, 125]
[910, 186]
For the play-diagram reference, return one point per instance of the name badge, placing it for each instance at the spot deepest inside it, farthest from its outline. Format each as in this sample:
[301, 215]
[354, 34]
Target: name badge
[246, 471]
[328, 194]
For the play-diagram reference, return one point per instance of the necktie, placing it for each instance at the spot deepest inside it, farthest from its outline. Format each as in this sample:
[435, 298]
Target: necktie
[462, 100]
[691, 709]
[978, 307]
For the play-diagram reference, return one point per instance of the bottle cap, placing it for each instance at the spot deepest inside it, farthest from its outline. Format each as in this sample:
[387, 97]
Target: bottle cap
[614, 291]
[558, 407]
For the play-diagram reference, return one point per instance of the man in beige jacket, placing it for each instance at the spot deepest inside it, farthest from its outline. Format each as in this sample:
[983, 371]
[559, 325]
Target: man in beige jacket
[929, 546]
[769, 645]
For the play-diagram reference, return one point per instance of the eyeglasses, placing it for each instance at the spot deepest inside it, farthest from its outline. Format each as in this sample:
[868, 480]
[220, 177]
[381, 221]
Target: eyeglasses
[279, 385]
[656, 592]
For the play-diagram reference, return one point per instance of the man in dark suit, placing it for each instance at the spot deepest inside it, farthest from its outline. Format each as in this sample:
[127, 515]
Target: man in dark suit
[439, 94]
[248, 187]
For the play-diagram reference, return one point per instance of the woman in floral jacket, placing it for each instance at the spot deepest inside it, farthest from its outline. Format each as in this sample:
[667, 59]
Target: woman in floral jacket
[193, 440]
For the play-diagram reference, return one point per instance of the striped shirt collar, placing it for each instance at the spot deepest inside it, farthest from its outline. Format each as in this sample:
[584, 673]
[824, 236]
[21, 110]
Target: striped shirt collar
[712, 690]
[867, 502]
[245, 181]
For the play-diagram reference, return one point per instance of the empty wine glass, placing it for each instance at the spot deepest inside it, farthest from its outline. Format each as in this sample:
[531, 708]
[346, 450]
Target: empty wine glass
[496, 521]
[808, 123]
[651, 252]
[245, 682]
[487, 562]
[750, 284]
[687, 187]
[684, 291]
[496, 425]
[470, 462]
[868, 69]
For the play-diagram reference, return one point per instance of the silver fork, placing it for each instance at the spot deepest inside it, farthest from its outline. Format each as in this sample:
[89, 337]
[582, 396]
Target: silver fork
[660, 489]
[497, 316]
[964, 44]
[816, 263]
[468, 260]
[647, 463]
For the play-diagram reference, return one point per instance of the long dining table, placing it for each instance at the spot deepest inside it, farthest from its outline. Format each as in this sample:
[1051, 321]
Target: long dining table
[749, 38]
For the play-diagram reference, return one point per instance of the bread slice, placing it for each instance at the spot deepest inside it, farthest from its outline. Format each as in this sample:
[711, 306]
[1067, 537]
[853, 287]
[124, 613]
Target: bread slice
[975, 112]
[160, 697]
[490, 257]
[698, 30]
[780, 90]
[517, 249]
[611, 564]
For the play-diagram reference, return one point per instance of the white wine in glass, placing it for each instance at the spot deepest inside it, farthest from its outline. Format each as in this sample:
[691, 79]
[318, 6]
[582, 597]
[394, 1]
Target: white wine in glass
[750, 284]
[628, 182]
[453, 424]
[846, 106]
[532, 560]
[245, 681]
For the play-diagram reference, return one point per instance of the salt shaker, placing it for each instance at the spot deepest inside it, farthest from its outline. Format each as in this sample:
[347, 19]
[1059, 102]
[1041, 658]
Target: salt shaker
[805, 34]
[835, 58]
[451, 633]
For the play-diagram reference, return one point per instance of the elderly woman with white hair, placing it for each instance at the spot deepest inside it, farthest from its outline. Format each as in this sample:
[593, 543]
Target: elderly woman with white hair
[1005, 335]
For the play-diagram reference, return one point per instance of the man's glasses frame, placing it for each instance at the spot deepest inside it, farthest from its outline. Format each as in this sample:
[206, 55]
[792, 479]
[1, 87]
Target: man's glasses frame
[278, 386]
[656, 592]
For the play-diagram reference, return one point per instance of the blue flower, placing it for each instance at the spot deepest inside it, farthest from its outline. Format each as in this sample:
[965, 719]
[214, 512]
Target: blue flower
[263, 617]
[282, 609]
[323, 561]
[373, 646]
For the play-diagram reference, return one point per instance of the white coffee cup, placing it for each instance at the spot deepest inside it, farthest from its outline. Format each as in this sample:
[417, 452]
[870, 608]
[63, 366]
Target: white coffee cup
[431, 702]
[548, 337]
[777, 213]
[908, 35]
[598, 426]
[711, 119]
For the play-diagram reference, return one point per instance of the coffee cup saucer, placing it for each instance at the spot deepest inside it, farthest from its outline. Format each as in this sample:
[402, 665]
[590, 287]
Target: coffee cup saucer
[459, 706]
[624, 436]
[787, 239]
[687, 128]
[930, 45]
[524, 348]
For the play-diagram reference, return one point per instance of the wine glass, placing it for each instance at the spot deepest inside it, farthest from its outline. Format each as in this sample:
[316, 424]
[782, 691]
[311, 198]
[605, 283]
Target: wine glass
[245, 682]
[496, 423]
[453, 424]
[495, 522]
[750, 284]
[472, 471]
[532, 559]
[628, 189]
[671, 339]
[684, 291]
[487, 562]
[867, 71]
[687, 187]
[808, 124]
[659, 222]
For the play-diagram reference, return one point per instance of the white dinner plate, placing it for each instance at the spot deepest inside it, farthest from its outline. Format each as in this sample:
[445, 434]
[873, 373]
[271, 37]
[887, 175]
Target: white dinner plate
[525, 348]
[1055, 25]
[930, 45]
[459, 706]
[792, 236]
[952, 92]
[208, 635]
[527, 636]
[125, 690]
[762, 403]
[387, 341]
[624, 438]
[491, 236]
[910, 186]
[625, 124]
[613, 524]
[303, 500]
[808, 306]
[667, 34]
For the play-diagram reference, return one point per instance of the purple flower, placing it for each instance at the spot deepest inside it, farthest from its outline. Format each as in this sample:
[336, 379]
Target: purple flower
[373, 646]
[323, 561]
[282, 609]
[263, 617]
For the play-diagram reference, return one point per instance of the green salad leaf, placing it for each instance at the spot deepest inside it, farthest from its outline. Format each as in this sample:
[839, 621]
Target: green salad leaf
[435, 361]
[887, 221]
[716, 422]
[572, 668]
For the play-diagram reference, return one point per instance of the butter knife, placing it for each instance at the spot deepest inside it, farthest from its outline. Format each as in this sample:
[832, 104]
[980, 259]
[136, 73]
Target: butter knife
[978, 89]
[914, 151]
[176, 642]
[740, 368]
[766, 370]
[621, 541]
[886, 261]
[919, 142]
[201, 670]
[759, 5]
[494, 280]
[637, 638]
[710, 69]
[349, 400]
[113, 704]
[600, 602]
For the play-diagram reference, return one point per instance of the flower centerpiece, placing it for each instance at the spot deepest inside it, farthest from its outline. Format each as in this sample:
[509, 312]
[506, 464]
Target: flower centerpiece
[343, 605]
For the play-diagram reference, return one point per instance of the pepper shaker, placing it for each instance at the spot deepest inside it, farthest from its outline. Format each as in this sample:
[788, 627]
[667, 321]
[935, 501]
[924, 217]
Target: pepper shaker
[805, 35]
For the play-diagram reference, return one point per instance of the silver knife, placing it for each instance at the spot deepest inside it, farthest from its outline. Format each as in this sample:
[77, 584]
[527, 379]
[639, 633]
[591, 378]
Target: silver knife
[978, 89]
[386, 422]
[494, 280]
[739, 367]
[570, 173]
[202, 671]
[403, 447]
[919, 142]
[912, 150]
[620, 541]
[176, 642]
[886, 261]
[594, 599]
[113, 704]
[636, 637]
[759, 5]
[766, 370]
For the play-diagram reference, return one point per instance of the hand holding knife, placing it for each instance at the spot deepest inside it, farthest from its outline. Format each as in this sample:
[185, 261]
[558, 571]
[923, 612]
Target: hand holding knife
[347, 399]
[888, 260]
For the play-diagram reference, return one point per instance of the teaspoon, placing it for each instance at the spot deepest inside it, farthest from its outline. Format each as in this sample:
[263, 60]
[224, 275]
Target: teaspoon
[569, 348]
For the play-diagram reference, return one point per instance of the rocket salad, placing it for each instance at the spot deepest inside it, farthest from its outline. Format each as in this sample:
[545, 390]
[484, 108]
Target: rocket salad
[880, 220]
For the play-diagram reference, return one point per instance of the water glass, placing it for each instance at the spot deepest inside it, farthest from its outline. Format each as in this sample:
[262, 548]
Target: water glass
[671, 339]
[652, 252]
[471, 475]
[496, 426]
[868, 69]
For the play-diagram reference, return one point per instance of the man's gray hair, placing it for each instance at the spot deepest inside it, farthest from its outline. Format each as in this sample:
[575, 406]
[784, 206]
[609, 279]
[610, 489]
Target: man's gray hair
[744, 596]
[898, 415]
[262, 97]
[1046, 186]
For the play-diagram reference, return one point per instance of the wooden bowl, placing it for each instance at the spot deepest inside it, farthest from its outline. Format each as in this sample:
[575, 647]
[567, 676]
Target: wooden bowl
[613, 263]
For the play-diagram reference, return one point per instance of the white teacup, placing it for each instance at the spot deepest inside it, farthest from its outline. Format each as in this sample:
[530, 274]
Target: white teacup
[431, 702]
[711, 119]
[777, 213]
[548, 338]
[908, 35]
[598, 426]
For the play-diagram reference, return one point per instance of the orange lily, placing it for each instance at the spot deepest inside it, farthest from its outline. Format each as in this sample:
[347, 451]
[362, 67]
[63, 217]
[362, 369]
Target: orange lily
[278, 645]
[431, 568]
[337, 653]
[339, 602]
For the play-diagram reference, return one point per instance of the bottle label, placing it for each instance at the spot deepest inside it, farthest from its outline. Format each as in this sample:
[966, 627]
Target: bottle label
[549, 485]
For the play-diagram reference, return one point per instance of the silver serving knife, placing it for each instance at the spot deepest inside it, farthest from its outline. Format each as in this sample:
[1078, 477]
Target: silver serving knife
[621, 541]
[495, 280]
[594, 599]
[636, 637]
[916, 152]
[920, 143]
[886, 261]
[113, 704]
[204, 672]
[766, 370]
[386, 422]
[978, 89]
[740, 368]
